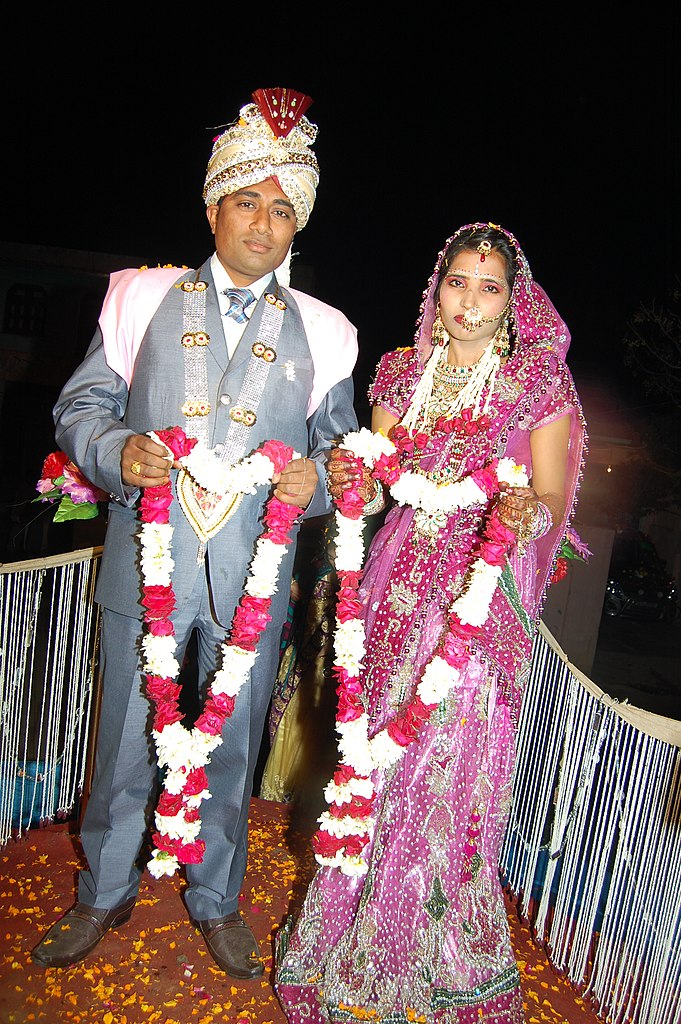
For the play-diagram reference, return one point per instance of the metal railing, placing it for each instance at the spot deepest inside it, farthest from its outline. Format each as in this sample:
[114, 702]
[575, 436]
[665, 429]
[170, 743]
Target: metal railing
[592, 852]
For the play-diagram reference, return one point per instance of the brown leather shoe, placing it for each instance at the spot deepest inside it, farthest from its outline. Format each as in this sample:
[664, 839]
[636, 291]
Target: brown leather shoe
[232, 945]
[77, 933]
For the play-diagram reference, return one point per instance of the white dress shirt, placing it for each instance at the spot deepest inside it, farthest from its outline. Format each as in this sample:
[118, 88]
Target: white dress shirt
[232, 329]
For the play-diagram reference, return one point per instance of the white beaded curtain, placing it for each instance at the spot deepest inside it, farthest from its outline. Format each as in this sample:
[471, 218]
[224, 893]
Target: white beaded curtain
[593, 847]
[49, 625]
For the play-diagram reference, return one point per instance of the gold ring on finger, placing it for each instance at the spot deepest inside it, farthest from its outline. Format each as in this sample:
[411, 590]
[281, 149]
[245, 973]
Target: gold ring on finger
[136, 467]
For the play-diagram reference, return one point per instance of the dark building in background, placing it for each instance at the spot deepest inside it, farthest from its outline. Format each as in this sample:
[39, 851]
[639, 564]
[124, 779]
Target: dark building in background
[49, 302]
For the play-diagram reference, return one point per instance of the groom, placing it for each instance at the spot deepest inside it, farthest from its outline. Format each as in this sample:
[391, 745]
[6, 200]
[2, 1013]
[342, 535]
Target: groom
[263, 362]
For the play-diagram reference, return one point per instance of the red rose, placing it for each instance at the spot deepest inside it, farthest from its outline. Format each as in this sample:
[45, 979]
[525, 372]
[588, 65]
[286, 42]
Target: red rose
[496, 532]
[223, 703]
[159, 600]
[462, 629]
[419, 711]
[445, 425]
[325, 845]
[344, 774]
[402, 439]
[279, 519]
[350, 684]
[560, 572]
[250, 619]
[169, 804]
[348, 708]
[401, 731]
[351, 503]
[166, 714]
[493, 553]
[155, 503]
[278, 453]
[191, 815]
[210, 721]
[355, 844]
[486, 479]
[349, 605]
[387, 468]
[197, 782]
[455, 651]
[191, 853]
[359, 807]
[162, 689]
[176, 439]
[164, 842]
[53, 466]
[161, 627]
[349, 578]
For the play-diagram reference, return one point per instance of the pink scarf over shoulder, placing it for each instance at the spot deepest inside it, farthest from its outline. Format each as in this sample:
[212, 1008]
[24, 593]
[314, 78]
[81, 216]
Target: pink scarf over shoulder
[134, 296]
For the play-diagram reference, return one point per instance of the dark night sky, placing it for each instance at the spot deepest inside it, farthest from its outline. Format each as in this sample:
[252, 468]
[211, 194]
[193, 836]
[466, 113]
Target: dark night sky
[570, 140]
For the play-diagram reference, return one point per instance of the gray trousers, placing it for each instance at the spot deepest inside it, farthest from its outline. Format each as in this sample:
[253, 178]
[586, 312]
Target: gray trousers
[125, 782]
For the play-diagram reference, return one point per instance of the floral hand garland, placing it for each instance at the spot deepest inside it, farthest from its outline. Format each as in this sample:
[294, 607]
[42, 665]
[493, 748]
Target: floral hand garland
[345, 829]
[183, 752]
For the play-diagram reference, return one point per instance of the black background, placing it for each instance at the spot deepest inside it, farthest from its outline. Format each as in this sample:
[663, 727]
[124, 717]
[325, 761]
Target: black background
[564, 129]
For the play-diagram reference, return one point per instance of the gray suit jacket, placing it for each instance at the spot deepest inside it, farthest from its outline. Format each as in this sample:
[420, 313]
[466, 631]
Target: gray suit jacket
[97, 411]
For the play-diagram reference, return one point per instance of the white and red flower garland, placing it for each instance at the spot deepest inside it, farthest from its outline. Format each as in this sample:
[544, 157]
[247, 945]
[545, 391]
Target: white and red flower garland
[182, 752]
[345, 829]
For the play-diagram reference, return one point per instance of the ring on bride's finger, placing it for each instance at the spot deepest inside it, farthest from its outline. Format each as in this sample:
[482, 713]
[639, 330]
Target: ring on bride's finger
[136, 467]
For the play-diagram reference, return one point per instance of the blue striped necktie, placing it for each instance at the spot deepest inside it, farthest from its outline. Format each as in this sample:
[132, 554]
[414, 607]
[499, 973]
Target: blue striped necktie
[239, 300]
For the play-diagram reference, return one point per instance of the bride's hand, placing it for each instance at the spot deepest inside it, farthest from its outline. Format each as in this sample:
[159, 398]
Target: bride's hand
[343, 473]
[517, 507]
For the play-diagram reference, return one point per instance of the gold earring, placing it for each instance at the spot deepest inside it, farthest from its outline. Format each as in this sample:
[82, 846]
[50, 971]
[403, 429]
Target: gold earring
[439, 334]
[502, 343]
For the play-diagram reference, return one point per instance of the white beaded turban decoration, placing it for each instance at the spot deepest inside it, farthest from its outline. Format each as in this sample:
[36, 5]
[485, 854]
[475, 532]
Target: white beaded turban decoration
[272, 138]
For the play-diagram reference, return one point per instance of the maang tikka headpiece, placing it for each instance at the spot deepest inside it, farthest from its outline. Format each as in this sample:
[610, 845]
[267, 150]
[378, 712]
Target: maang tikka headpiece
[484, 249]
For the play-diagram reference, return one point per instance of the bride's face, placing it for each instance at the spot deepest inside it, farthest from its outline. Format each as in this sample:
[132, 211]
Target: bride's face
[473, 295]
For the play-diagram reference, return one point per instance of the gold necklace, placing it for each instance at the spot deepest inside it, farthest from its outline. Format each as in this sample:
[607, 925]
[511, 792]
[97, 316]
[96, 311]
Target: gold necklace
[448, 380]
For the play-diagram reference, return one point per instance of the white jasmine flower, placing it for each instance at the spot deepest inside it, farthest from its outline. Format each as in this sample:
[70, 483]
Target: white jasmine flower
[367, 445]
[437, 680]
[264, 569]
[348, 644]
[162, 863]
[174, 779]
[176, 827]
[349, 545]
[510, 473]
[344, 793]
[473, 606]
[155, 559]
[353, 746]
[158, 656]
[236, 664]
[197, 799]
[355, 867]
[384, 751]
[342, 827]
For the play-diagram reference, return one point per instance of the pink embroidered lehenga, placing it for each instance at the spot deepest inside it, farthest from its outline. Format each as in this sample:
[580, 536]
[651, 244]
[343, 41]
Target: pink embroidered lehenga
[423, 936]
